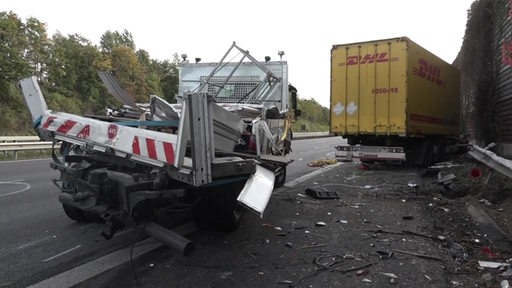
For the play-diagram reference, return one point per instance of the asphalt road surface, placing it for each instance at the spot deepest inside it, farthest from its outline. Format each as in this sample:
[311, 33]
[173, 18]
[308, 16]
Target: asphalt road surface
[37, 241]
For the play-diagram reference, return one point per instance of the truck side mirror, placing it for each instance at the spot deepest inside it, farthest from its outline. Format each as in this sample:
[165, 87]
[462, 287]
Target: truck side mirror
[293, 100]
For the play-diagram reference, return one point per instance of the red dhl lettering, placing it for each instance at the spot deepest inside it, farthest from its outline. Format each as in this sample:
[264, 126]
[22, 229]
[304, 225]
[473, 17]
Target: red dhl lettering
[429, 72]
[367, 59]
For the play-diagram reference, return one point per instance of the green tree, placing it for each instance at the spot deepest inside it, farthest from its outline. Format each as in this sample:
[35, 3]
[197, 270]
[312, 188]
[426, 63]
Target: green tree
[13, 46]
[73, 67]
[38, 46]
[110, 40]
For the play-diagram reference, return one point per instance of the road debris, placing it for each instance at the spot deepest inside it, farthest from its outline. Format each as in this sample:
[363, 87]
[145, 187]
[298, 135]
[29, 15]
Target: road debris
[314, 246]
[384, 255]
[446, 180]
[506, 274]
[419, 255]
[322, 163]
[494, 265]
[339, 263]
[322, 194]
[362, 272]
[390, 275]
[488, 252]
[412, 184]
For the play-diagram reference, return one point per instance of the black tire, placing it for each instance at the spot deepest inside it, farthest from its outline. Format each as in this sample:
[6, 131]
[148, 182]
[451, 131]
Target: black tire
[219, 208]
[81, 216]
[427, 157]
[74, 213]
[280, 177]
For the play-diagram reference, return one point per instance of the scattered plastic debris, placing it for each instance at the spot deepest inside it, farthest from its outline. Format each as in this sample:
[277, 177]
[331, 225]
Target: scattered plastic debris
[412, 184]
[322, 163]
[319, 194]
[288, 244]
[320, 223]
[444, 209]
[286, 282]
[390, 275]
[507, 273]
[489, 264]
[366, 280]
[458, 251]
[487, 251]
[446, 180]
[384, 255]
[362, 272]
[487, 277]
[476, 172]
[225, 275]
[485, 201]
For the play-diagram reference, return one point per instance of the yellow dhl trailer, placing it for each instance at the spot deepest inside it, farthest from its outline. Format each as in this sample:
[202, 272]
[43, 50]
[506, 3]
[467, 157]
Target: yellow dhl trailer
[393, 100]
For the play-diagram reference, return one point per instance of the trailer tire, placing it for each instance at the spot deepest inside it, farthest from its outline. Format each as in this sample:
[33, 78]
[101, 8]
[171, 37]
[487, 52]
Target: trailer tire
[229, 217]
[280, 177]
[74, 213]
[219, 208]
[426, 153]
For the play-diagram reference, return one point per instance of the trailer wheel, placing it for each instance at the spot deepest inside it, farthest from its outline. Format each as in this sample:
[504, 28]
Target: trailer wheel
[219, 208]
[229, 217]
[280, 177]
[82, 216]
[426, 154]
[74, 213]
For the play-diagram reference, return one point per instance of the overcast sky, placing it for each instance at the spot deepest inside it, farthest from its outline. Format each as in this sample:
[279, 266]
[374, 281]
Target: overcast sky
[304, 30]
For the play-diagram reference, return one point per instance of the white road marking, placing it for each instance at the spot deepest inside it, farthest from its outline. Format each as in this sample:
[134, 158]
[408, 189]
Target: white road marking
[60, 254]
[15, 182]
[91, 269]
[310, 175]
[35, 242]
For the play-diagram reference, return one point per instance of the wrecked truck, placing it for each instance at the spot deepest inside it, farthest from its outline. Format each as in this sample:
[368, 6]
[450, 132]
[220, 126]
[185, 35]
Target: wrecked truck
[220, 150]
[393, 100]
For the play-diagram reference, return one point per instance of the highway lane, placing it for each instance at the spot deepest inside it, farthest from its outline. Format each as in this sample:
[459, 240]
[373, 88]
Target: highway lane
[37, 240]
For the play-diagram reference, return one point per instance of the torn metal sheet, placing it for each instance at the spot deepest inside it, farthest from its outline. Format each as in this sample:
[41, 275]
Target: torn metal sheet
[489, 158]
[258, 189]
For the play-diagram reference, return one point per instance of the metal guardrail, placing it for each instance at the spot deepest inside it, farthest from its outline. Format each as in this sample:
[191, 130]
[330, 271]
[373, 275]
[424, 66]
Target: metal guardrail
[15, 144]
[489, 158]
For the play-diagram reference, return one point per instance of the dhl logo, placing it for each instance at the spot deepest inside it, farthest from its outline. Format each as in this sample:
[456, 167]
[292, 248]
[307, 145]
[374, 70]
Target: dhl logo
[368, 59]
[429, 71]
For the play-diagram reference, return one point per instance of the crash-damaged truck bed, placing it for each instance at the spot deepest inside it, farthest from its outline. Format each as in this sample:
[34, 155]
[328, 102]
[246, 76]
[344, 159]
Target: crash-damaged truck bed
[221, 149]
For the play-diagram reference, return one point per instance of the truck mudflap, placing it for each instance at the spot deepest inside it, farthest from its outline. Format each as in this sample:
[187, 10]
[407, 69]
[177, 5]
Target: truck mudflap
[370, 153]
[257, 190]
